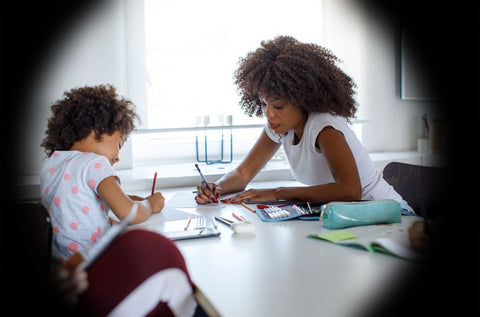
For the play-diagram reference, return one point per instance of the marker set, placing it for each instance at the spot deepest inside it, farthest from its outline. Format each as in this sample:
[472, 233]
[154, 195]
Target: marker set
[303, 211]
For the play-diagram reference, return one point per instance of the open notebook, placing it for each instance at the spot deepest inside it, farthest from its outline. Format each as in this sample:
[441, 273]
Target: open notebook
[387, 238]
[189, 228]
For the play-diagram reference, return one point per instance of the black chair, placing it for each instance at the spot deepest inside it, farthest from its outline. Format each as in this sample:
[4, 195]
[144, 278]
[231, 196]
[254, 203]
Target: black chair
[37, 235]
[423, 187]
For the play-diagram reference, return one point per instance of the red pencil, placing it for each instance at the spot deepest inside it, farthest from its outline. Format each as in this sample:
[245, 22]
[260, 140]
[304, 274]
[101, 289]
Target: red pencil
[154, 181]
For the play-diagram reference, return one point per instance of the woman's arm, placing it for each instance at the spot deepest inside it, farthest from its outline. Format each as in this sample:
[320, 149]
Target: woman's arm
[121, 204]
[340, 159]
[237, 180]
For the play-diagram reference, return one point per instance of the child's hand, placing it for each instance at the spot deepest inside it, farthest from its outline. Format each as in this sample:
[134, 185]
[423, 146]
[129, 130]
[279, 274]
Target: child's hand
[67, 281]
[157, 202]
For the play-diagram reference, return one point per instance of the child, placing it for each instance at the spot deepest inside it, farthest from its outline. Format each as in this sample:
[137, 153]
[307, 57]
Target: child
[84, 136]
[307, 101]
[85, 133]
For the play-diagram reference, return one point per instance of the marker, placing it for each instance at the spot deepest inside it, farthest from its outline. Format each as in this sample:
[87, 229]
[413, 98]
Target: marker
[224, 221]
[154, 181]
[206, 183]
[237, 217]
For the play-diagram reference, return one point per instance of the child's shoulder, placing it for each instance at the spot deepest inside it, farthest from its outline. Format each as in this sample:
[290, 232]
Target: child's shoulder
[76, 158]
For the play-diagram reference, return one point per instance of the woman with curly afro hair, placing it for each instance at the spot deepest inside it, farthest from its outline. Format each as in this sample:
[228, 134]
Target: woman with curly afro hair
[307, 101]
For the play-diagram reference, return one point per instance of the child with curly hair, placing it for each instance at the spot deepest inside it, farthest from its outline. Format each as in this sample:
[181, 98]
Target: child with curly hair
[307, 101]
[78, 187]
[85, 133]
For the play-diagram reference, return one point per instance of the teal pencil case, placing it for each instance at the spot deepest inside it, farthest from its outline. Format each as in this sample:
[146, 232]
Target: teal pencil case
[336, 215]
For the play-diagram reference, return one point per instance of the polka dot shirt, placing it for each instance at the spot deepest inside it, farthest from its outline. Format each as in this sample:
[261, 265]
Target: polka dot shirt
[68, 183]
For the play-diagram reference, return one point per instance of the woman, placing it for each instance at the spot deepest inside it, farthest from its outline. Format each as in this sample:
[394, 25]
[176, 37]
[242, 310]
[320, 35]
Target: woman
[307, 101]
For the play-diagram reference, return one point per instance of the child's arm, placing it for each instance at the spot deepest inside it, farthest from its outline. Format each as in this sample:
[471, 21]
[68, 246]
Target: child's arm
[120, 203]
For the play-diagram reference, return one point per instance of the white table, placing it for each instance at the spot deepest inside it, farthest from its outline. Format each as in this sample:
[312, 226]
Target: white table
[278, 271]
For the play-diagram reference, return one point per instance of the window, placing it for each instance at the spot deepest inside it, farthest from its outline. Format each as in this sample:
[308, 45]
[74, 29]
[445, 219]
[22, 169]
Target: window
[191, 52]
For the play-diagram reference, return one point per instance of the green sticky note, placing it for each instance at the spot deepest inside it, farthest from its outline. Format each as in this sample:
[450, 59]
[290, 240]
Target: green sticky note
[336, 236]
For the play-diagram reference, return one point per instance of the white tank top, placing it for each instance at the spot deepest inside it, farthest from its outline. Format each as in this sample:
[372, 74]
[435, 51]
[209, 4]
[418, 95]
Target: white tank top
[310, 167]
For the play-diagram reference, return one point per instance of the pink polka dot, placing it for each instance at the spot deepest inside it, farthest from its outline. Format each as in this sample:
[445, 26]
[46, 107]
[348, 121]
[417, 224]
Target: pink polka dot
[85, 209]
[102, 207]
[92, 183]
[74, 189]
[68, 160]
[56, 201]
[66, 176]
[73, 246]
[55, 154]
[97, 166]
[51, 170]
[96, 234]
[74, 225]
[56, 229]
[47, 190]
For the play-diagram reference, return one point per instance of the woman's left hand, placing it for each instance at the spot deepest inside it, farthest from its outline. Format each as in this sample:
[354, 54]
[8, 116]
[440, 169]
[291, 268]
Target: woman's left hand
[253, 194]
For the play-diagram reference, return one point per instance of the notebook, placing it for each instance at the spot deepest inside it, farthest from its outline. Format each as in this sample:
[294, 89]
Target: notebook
[188, 228]
[386, 238]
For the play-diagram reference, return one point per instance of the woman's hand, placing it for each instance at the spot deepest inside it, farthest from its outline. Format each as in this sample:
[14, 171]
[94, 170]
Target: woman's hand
[204, 196]
[269, 194]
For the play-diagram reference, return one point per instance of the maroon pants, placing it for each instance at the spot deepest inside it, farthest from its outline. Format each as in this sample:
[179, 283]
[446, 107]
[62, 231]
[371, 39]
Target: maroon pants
[141, 272]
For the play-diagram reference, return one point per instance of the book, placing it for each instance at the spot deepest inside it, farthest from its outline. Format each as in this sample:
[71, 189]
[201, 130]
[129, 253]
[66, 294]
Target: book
[389, 238]
[188, 228]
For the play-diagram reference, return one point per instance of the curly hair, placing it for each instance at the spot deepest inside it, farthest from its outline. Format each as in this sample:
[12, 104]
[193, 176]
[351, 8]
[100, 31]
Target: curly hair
[304, 74]
[87, 109]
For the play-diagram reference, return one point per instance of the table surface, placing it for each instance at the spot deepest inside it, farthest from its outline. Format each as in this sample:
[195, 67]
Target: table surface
[277, 270]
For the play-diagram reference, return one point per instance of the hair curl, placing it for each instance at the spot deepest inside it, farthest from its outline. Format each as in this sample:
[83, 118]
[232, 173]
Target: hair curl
[87, 109]
[304, 74]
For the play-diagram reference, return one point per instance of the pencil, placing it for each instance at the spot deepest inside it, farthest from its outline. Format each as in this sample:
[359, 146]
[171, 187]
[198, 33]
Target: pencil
[188, 223]
[248, 207]
[154, 181]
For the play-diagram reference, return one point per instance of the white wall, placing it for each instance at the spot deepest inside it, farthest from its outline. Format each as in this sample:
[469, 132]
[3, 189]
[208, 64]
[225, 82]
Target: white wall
[369, 46]
[95, 52]
[92, 52]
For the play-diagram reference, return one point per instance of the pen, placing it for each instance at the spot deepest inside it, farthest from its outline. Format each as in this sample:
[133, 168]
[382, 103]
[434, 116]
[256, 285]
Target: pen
[206, 183]
[154, 181]
[309, 207]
